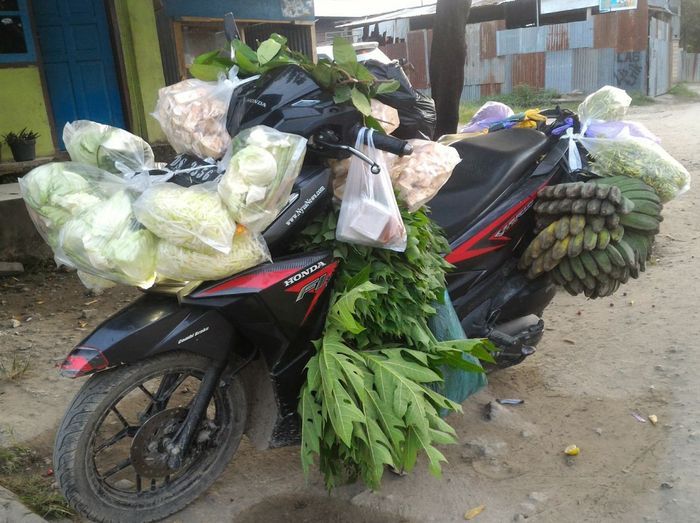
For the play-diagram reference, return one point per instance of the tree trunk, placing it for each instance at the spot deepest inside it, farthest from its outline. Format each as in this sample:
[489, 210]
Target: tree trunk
[447, 60]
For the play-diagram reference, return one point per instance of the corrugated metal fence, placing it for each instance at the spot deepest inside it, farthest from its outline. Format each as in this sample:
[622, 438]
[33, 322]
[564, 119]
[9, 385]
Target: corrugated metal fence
[691, 67]
[660, 59]
[626, 49]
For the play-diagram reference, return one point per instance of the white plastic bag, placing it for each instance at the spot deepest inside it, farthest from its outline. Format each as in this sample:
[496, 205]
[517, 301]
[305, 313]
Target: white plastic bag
[369, 214]
[115, 150]
[192, 114]
[260, 175]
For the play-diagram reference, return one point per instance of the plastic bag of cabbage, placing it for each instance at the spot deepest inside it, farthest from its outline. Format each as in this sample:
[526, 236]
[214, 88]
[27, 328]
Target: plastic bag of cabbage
[190, 217]
[260, 173]
[116, 230]
[85, 214]
[110, 148]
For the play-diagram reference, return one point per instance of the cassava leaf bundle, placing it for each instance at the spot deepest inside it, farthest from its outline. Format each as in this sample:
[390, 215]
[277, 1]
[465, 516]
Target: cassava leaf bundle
[369, 400]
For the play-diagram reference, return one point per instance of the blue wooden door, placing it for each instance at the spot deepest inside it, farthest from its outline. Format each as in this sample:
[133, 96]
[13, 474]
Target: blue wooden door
[78, 62]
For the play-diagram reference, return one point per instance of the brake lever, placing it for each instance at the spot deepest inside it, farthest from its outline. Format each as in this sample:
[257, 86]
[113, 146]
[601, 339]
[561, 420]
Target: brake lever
[374, 166]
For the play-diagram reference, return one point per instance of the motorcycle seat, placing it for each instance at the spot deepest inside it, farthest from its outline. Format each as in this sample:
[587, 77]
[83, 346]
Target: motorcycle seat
[491, 163]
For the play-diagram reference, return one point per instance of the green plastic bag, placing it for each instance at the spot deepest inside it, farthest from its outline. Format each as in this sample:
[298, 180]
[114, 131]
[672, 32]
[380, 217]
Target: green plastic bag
[458, 384]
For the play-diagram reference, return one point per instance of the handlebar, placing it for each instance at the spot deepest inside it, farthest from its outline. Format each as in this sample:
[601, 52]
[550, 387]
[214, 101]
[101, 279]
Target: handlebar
[389, 143]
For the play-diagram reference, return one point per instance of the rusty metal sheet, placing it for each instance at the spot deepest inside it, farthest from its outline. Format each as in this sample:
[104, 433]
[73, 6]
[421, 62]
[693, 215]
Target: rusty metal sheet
[488, 38]
[395, 51]
[417, 43]
[488, 90]
[624, 31]
[558, 37]
[528, 69]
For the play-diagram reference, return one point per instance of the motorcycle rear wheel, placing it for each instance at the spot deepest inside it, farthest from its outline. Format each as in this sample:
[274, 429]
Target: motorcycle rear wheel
[130, 411]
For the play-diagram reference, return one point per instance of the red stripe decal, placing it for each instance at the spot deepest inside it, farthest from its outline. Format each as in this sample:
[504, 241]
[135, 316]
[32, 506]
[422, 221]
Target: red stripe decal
[259, 280]
[467, 251]
[314, 284]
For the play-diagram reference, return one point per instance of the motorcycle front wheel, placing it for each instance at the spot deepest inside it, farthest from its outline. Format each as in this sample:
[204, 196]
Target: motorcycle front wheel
[110, 458]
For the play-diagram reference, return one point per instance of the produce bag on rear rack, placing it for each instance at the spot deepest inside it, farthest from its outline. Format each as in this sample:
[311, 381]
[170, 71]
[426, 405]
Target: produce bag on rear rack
[369, 214]
[620, 148]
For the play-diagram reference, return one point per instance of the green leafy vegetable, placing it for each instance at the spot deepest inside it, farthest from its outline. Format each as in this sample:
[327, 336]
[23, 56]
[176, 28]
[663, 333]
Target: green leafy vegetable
[112, 149]
[192, 217]
[369, 399]
[183, 264]
[106, 242]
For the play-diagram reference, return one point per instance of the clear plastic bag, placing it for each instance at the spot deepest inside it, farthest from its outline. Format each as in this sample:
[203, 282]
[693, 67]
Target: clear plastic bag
[640, 158]
[418, 177]
[107, 242]
[85, 215]
[608, 103]
[178, 263]
[190, 217]
[369, 214]
[613, 129]
[192, 114]
[260, 174]
[58, 191]
[109, 148]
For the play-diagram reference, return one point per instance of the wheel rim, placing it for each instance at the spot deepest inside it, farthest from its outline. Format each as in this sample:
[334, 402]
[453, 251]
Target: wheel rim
[110, 462]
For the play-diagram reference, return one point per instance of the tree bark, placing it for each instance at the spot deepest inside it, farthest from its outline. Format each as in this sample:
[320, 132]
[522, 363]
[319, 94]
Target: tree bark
[447, 60]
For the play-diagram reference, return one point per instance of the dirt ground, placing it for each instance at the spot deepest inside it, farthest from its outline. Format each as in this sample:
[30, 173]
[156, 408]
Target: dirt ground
[600, 362]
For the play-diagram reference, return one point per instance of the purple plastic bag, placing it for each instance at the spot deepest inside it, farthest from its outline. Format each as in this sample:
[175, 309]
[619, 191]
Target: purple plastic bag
[601, 129]
[487, 115]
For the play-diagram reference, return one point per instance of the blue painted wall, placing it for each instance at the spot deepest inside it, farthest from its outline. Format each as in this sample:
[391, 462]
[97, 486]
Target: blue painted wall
[242, 9]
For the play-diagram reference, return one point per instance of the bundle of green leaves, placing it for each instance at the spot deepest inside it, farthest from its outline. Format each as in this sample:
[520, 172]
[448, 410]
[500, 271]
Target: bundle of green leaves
[344, 76]
[369, 400]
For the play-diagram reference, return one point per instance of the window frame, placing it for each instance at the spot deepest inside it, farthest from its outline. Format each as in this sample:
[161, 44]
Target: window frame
[30, 55]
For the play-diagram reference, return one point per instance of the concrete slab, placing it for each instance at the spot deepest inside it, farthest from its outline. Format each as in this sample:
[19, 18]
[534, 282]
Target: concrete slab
[9, 191]
[13, 511]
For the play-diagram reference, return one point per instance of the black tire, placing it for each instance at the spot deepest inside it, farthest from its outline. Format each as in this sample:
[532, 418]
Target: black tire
[75, 456]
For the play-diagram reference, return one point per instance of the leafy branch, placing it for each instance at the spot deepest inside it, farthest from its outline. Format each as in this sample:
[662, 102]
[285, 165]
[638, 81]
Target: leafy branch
[344, 76]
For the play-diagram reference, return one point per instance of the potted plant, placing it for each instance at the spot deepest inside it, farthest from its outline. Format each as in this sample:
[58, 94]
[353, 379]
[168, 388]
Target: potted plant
[22, 144]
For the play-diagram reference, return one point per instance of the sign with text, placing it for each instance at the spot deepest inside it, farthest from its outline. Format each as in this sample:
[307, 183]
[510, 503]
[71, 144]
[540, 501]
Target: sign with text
[617, 5]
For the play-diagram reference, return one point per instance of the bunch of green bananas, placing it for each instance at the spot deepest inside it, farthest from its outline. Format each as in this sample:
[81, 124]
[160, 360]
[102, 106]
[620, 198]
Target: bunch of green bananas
[593, 236]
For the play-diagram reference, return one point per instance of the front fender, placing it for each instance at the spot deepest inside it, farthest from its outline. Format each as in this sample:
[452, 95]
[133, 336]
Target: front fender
[151, 325]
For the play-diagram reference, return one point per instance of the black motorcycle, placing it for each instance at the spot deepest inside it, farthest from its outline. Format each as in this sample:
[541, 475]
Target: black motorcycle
[178, 376]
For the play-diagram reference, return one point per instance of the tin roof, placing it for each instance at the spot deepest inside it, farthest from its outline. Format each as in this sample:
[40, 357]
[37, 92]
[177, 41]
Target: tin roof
[428, 8]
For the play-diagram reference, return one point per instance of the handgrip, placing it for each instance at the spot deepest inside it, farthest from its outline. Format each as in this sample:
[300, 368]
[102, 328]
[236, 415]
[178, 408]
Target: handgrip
[392, 145]
[388, 143]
